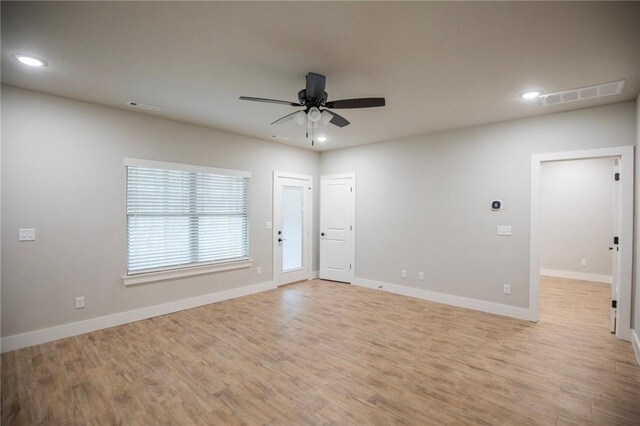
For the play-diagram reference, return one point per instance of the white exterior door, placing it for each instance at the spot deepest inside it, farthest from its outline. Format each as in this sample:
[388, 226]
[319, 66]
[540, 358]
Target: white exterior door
[337, 227]
[291, 228]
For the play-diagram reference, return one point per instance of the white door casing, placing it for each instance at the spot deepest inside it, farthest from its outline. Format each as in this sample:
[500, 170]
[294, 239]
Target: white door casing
[292, 224]
[337, 227]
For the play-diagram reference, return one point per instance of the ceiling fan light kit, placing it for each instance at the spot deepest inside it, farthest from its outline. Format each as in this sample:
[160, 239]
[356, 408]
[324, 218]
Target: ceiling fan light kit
[314, 114]
[313, 99]
[301, 117]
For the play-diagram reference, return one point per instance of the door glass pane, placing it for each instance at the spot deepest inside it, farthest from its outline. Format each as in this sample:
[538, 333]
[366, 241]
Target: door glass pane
[292, 227]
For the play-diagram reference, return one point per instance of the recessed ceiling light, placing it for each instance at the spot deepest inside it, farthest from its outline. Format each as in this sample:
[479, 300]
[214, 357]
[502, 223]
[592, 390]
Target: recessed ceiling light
[30, 60]
[322, 138]
[531, 95]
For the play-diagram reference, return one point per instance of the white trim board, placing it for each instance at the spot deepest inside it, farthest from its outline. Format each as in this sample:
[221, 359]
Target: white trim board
[447, 299]
[626, 155]
[572, 275]
[152, 164]
[169, 274]
[635, 342]
[45, 335]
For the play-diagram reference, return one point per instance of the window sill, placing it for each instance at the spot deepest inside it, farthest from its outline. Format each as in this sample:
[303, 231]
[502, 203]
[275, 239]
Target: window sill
[128, 280]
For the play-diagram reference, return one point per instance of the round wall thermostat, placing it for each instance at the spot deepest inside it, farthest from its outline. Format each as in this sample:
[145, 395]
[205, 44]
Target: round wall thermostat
[496, 205]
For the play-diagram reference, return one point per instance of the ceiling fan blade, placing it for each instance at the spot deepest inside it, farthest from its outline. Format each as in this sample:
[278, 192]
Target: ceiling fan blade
[287, 117]
[338, 120]
[356, 103]
[270, 101]
[315, 86]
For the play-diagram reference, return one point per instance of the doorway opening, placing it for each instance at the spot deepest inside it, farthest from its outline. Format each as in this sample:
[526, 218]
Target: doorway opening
[578, 249]
[621, 235]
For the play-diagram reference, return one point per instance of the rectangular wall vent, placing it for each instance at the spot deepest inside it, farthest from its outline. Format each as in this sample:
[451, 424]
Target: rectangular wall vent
[280, 138]
[583, 93]
[143, 106]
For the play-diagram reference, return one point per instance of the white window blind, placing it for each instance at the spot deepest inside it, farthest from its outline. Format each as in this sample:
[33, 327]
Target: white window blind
[180, 216]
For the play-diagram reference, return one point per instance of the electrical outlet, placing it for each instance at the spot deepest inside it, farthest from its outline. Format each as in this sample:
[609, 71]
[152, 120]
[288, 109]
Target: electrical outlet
[421, 276]
[504, 230]
[79, 302]
[404, 273]
[26, 234]
[583, 262]
[259, 270]
[507, 289]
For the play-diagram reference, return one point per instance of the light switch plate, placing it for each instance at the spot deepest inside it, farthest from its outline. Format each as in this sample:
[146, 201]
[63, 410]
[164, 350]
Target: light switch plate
[504, 230]
[26, 234]
[403, 273]
[507, 289]
[268, 225]
[421, 276]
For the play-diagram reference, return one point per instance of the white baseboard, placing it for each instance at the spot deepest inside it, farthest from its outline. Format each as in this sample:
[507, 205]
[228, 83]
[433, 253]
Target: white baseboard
[583, 276]
[45, 335]
[447, 299]
[314, 275]
[635, 342]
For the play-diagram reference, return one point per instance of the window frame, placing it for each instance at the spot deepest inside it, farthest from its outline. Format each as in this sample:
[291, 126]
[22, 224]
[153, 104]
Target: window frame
[179, 271]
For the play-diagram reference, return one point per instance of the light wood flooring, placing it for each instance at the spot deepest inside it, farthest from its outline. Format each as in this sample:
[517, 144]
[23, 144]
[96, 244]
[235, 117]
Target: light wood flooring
[327, 353]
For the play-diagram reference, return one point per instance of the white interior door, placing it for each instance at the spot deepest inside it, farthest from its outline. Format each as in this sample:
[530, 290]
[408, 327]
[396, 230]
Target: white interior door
[615, 249]
[337, 227]
[291, 227]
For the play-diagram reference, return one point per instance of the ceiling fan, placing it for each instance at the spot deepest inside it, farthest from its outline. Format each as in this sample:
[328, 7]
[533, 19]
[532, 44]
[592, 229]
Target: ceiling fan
[313, 99]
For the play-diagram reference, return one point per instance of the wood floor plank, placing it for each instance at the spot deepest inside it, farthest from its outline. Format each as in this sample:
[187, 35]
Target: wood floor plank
[327, 353]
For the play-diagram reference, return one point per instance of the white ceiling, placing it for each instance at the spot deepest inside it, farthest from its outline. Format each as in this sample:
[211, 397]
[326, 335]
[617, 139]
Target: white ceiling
[439, 65]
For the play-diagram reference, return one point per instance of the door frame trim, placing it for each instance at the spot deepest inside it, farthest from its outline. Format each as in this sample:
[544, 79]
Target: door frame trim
[626, 155]
[309, 215]
[352, 253]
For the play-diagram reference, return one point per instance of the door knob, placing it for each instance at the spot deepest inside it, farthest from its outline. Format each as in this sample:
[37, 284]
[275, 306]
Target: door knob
[280, 240]
[322, 235]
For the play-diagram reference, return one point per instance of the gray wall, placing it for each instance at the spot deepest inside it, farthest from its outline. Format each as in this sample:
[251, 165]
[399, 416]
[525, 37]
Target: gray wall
[423, 202]
[63, 174]
[576, 215]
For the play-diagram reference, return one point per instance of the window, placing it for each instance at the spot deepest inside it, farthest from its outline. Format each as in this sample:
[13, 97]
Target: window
[180, 216]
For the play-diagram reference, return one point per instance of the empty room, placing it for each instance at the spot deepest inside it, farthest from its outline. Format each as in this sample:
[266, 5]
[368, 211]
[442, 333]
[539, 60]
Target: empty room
[293, 213]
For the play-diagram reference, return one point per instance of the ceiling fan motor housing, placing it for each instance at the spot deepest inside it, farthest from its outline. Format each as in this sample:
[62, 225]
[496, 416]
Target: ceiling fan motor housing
[302, 98]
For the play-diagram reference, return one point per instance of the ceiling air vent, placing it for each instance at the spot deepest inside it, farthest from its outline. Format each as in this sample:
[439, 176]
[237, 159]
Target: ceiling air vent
[583, 93]
[143, 106]
[280, 138]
